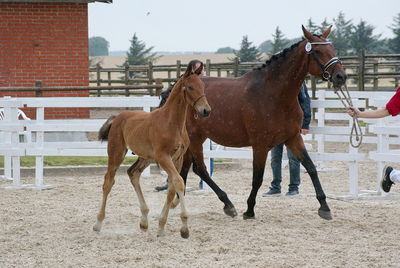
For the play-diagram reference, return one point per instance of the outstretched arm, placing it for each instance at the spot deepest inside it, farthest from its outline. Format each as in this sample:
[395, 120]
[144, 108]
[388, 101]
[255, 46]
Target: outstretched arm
[378, 113]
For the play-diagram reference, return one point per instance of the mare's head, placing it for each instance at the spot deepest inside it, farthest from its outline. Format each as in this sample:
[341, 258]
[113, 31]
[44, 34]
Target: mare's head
[322, 58]
[194, 91]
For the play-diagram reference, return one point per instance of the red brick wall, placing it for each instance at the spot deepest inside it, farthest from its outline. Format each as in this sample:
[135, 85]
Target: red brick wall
[45, 42]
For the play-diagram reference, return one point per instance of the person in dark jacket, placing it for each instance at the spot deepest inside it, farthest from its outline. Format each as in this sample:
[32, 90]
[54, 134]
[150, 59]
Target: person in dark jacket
[294, 164]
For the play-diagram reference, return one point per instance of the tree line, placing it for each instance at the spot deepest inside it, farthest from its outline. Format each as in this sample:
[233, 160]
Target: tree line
[347, 37]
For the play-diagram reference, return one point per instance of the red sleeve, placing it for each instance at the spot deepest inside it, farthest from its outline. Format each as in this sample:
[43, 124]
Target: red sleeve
[393, 106]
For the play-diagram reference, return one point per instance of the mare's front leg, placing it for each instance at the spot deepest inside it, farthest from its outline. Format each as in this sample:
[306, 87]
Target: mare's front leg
[187, 162]
[196, 149]
[259, 158]
[296, 145]
[134, 173]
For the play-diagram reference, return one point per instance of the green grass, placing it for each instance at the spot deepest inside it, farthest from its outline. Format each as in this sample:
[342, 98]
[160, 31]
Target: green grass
[29, 161]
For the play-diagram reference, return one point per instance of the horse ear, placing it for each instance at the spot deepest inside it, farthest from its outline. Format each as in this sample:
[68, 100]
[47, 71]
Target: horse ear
[306, 33]
[199, 69]
[327, 32]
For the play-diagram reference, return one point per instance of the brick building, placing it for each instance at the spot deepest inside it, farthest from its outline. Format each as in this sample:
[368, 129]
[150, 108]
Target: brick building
[45, 42]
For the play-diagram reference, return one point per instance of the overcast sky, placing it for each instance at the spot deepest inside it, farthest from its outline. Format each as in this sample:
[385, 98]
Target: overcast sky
[173, 25]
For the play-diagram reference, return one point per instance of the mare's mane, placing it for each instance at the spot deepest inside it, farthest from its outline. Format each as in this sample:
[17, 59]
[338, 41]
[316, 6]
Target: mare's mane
[281, 55]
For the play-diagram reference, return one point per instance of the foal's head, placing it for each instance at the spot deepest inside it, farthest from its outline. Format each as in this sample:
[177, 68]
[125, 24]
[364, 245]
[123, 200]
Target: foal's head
[194, 91]
[323, 61]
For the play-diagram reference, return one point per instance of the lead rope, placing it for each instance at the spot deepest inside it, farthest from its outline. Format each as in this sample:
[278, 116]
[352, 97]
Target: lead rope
[356, 128]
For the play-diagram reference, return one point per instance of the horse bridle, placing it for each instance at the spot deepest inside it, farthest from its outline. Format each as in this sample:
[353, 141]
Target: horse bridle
[356, 128]
[198, 98]
[202, 96]
[194, 103]
[326, 76]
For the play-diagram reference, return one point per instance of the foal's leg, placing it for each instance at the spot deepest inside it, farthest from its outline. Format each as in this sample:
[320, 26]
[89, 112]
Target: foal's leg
[134, 173]
[296, 145]
[259, 158]
[164, 213]
[115, 158]
[179, 166]
[175, 185]
[196, 149]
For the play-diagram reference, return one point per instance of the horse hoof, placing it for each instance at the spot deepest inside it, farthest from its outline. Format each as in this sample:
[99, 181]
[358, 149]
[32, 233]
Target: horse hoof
[184, 233]
[97, 227]
[326, 215]
[230, 211]
[248, 216]
[143, 227]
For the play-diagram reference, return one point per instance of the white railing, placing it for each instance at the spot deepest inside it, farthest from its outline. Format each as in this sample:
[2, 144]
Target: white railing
[13, 149]
[375, 132]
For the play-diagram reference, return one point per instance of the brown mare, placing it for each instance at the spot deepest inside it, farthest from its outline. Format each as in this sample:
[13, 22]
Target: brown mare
[161, 136]
[260, 109]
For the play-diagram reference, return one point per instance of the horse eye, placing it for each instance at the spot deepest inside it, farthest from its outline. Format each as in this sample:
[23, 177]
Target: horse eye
[189, 88]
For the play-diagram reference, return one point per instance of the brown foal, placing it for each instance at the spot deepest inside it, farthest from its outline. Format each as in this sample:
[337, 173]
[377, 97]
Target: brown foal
[161, 136]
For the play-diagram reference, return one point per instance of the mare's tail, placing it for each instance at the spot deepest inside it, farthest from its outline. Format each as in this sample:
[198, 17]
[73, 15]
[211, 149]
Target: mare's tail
[105, 129]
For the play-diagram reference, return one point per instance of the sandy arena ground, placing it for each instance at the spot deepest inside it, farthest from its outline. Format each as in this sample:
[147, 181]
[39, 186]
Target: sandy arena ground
[53, 228]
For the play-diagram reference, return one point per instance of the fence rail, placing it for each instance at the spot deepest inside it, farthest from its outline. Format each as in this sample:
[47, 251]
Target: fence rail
[366, 72]
[126, 90]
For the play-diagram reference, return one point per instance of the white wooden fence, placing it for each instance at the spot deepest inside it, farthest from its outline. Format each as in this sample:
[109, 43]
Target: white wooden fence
[326, 130]
[12, 149]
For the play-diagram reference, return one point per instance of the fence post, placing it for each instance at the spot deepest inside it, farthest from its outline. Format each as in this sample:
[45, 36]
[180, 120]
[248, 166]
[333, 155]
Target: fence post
[236, 67]
[109, 81]
[158, 90]
[375, 76]
[109, 78]
[127, 78]
[208, 64]
[396, 80]
[38, 91]
[361, 69]
[321, 123]
[39, 159]
[313, 93]
[313, 86]
[178, 69]
[150, 76]
[98, 78]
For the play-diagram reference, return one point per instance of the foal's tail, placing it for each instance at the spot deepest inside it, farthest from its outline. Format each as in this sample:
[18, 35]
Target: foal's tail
[105, 128]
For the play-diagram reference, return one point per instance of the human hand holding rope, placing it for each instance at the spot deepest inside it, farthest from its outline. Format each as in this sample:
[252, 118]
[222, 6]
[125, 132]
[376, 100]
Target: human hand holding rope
[354, 112]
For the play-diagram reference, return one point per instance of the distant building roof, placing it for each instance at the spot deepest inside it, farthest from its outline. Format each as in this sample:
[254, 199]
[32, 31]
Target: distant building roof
[57, 1]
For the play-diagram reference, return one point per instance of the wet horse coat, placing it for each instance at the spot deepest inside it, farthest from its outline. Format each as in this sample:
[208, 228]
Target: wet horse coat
[261, 109]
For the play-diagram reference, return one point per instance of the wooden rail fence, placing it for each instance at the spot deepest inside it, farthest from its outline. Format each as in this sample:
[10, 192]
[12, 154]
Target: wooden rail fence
[365, 72]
